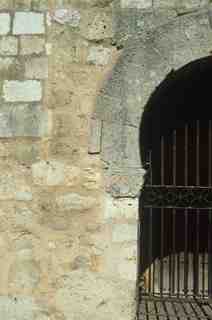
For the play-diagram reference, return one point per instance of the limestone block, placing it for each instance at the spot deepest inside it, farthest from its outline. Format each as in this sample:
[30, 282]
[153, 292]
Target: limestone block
[54, 173]
[131, 154]
[41, 5]
[124, 233]
[24, 274]
[8, 46]
[4, 23]
[14, 185]
[165, 3]
[91, 179]
[36, 68]
[127, 262]
[6, 63]
[96, 24]
[99, 55]
[29, 90]
[106, 298]
[28, 23]
[31, 45]
[18, 307]
[75, 201]
[184, 6]
[67, 16]
[24, 121]
[124, 182]
[22, 4]
[138, 4]
[6, 4]
[121, 208]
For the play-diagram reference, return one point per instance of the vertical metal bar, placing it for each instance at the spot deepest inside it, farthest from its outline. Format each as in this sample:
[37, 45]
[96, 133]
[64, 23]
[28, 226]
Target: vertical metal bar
[150, 232]
[210, 214]
[162, 220]
[196, 255]
[174, 212]
[186, 216]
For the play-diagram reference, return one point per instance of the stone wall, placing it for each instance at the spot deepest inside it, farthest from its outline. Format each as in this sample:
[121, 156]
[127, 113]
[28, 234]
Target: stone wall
[70, 174]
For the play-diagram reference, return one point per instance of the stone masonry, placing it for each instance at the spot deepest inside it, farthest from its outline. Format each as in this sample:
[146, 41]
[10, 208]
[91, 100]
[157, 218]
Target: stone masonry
[74, 78]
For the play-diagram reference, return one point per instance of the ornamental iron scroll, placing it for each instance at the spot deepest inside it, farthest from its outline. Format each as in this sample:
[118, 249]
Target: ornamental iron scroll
[176, 197]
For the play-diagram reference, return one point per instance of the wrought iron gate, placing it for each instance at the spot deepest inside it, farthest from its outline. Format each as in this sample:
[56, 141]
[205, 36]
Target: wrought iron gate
[175, 225]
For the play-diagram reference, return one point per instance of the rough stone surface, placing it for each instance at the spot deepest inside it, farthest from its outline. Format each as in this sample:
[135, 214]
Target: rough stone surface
[24, 121]
[14, 185]
[53, 173]
[18, 308]
[24, 274]
[74, 201]
[8, 46]
[121, 208]
[96, 24]
[4, 23]
[99, 55]
[69, 16]
[36, 68]
[31, 45]
[107, 298]
[28, 23]
[138, 4]
[124, 233]
[15, 91]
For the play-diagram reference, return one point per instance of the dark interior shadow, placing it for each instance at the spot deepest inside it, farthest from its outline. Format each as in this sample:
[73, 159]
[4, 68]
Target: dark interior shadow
[183, 99]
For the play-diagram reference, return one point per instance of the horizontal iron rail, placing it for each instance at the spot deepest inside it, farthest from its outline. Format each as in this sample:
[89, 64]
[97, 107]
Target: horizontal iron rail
[159, 196]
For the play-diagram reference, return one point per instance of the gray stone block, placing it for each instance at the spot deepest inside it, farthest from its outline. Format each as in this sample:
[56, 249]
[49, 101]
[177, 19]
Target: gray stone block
[4, 23]
[124, 182]
[18, 308]
[28, 23]
[112, 143]
[23, 121]
[26, 91]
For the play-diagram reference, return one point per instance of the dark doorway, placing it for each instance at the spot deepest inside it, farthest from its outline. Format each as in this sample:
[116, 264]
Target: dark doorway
[175, 261]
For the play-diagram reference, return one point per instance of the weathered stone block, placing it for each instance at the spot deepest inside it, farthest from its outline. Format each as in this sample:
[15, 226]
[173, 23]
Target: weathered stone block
[29, 90]
[13, 184]
[67, 16]
[36, 68]
[41, 5]
[121, 208]
[131, 152]
[54, 173]
[74, 201]
[22, 4]
[18, 307]
[124, 182]
[8, 46]
[24, 273]
[96, 24]
[112, 143]
[99, 55]
[28, 23]
[184, 6]
[31, 45]
[6, 4]
[106, 296]
[138, 4]
[4, 23]
[23, 121]
[124, 233]
[127, 262]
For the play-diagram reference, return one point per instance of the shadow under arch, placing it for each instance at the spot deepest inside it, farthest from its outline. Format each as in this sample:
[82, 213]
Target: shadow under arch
[182, 99]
